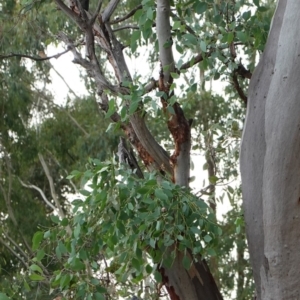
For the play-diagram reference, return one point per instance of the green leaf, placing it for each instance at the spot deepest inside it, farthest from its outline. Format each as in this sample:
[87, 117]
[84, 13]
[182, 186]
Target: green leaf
[157, 276]
[84, 193]
[65, 280]
[55, 219]
[64, 222]
[36, 277]
[186, 261]
[99, 296]
[77, 231]
[191, 39]
[149, 269]
[174, 75]
[101, 289]
[37, 268]
[203, 46]
[207, 238]
[150, 13]
[263, 9]
[152, 243]
[111, 109]
[78, 265]
[211, 252]
[161, 195]
[26, 286]
[133, 107]
[134, 39]
[40, 255]
[36, 240]
[201, 7]
[4, 297]
[176, 25]
[242, 36]
[136, 264]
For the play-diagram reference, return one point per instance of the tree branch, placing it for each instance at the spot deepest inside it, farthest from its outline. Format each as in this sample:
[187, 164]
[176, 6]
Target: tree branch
[239, 90]
[34, 57]
[109, 10]
[51, 184]
[7, 198]
[164, 37]
[16, 245]
[64, 81]
[14, 253]
[125, 27]
[57, 162]
[131, 13]
[177, 123]
[32, 186]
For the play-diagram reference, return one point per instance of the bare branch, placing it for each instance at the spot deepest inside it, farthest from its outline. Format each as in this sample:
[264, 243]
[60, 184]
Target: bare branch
[51, 184]
[63, 79]
[14, 253]
[94, 17]
[131, 13]
[7, 198]
[70, 13]
[153, 84]
[109, 10]
[92, 69]
[193, 61]
[57, 162]
[16, 245]
[34, 57]
[77, 124]
[32, 186]
[125, 27]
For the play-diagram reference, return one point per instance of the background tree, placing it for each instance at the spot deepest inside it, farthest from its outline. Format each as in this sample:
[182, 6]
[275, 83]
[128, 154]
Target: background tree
[100, 251]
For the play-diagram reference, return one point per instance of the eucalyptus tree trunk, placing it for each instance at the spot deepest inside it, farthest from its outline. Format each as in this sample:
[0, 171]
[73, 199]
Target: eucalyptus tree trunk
[197, 283]
[270, 161]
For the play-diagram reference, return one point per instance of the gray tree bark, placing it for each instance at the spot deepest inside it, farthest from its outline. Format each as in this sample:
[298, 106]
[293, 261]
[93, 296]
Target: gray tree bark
[270, 161]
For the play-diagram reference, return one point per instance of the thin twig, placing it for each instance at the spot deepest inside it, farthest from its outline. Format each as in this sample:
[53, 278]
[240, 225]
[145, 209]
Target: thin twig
[16, 245]
[125, 27]
[51, 184]
[7, 198]
[131, 13]
[34, 57]
[14, 253]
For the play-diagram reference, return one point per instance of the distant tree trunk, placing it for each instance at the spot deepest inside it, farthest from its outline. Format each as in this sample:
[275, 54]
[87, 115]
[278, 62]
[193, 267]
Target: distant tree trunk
[270, 160]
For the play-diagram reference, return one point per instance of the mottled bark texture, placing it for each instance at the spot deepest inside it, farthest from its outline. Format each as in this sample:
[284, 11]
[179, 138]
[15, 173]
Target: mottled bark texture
[270, 160]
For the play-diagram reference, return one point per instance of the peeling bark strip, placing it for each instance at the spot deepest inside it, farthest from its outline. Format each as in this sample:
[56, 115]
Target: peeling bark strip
[177, 124]
[270, 160]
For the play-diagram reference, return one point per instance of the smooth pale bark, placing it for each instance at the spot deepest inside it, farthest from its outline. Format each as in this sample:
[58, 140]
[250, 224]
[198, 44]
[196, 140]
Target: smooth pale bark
[197, 283]
[270, 160]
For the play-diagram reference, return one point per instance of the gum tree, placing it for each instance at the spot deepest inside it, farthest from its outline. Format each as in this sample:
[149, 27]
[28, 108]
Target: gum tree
[150, 214]
[269, 160]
